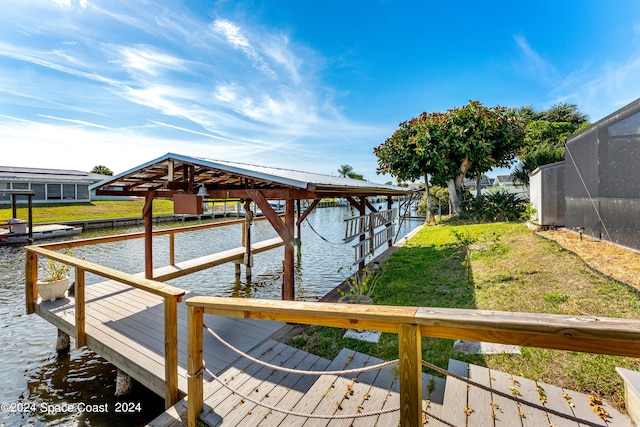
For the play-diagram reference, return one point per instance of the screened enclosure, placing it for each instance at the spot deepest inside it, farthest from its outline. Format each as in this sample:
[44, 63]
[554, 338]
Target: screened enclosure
[602, 178]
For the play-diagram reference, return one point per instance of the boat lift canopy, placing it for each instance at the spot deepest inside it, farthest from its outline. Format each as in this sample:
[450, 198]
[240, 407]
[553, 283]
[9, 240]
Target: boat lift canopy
[174, 174]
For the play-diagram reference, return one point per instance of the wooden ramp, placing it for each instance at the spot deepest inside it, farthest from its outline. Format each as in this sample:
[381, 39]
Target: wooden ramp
[451, 400]
[124, 325]
[326, 395]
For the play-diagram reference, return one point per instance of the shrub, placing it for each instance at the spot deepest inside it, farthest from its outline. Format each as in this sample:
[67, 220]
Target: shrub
[496, 206]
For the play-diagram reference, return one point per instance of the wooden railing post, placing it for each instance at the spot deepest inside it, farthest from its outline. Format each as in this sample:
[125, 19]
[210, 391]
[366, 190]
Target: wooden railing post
[172, 249]
[31, 288]
[171, 350]
[194, 363]
[410, 355]
[81, 338]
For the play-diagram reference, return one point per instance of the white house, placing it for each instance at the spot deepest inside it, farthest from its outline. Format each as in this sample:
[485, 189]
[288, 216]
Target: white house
[50, 185]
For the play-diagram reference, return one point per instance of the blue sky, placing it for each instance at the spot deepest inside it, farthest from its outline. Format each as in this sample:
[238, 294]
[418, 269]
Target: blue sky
[293, 84]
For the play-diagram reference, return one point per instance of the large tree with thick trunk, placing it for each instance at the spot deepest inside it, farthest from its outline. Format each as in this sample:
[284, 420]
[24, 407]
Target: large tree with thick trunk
[464, 141]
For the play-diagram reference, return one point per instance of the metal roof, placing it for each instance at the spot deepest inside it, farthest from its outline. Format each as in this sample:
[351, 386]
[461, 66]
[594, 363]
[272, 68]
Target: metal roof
[14, 173]
[175, 172]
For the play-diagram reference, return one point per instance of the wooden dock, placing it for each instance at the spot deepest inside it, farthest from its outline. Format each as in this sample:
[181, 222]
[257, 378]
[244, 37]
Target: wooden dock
[450, 400]
[124, 325]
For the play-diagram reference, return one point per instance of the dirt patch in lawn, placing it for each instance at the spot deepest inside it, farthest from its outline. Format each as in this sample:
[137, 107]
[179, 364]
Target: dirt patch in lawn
[618, 263]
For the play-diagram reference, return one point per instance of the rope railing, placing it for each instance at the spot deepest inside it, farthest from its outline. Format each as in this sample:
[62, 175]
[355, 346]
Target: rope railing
[301, 414]
[573, 333]
[299, 371]
[365, 369]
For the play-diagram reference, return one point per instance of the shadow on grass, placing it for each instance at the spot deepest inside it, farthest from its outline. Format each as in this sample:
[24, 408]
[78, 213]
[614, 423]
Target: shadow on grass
[430, 276]
[418, 276]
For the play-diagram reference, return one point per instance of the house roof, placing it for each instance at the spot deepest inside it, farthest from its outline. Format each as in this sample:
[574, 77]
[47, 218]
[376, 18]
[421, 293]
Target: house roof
[14, 173]
[173, 173]
[504, 178]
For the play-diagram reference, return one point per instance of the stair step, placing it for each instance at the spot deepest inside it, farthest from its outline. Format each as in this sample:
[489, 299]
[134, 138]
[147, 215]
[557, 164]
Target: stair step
[473, 406]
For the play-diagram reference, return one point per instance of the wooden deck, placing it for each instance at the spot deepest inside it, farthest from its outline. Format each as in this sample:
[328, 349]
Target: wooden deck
[450, 400]
[125, 326]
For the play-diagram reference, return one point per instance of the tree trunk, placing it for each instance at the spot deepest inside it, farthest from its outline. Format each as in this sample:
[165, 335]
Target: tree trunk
[454, 184]
[426, 186]
[478, 179]
[453, 197]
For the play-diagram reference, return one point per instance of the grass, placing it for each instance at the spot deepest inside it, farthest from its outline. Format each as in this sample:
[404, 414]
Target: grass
[87, 210]
[500, 266]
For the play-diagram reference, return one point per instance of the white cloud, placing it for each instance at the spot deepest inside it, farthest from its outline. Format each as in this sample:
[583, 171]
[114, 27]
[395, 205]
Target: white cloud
[146, 59]
[532, 64]
[233, 34]
[69, 3]
[78, 122]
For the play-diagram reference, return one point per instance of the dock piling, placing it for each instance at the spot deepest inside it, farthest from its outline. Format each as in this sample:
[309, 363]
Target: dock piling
[63, 343]
[123, 383]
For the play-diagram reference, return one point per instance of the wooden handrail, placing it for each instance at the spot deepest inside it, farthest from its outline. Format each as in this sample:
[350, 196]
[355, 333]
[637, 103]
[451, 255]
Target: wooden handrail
[140, 235]
[171, 295]
[156, 288]
[604, 335]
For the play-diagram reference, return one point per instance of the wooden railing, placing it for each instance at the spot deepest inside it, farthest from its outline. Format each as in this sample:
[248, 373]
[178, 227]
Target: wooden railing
[577, 333]
[171, 294]
[171, 232]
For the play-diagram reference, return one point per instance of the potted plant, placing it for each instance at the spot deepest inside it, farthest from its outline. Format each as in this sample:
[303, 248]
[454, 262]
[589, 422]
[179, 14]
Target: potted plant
[360, 287]
[56, 280]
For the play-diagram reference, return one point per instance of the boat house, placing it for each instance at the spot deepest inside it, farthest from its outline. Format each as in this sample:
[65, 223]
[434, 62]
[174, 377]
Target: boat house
[189, 180]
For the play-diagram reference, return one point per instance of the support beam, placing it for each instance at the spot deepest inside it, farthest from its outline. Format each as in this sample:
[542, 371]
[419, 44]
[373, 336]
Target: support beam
[81, 336]
[389, 207]
[284, 231]
[288, 280]
[30, 224]
[410, 355]
[147, 214]
[303, 216]
[362, 209]
[248, 220]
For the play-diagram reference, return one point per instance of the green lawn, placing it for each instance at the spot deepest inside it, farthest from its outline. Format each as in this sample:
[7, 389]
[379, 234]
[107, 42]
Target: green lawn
[87, 210]
[500, 266]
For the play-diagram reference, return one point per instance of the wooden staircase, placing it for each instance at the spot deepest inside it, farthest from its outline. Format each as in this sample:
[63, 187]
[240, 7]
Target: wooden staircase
[451, 400]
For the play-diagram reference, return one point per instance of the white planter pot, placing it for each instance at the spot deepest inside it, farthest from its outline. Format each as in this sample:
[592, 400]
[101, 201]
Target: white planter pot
[52, 290]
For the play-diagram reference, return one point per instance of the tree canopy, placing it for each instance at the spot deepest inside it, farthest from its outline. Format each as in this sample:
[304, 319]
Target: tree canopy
[546, 133]
[347, 171]
[466, 140]
[101, 170]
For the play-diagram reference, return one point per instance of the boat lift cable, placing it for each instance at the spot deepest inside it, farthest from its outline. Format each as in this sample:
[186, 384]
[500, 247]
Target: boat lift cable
[593, 203]
[320, 235]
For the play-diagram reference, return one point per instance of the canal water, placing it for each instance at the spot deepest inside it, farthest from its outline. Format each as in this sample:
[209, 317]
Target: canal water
[38, 387]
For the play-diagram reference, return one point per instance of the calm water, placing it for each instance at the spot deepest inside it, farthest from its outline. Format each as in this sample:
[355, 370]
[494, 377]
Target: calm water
[35, 380]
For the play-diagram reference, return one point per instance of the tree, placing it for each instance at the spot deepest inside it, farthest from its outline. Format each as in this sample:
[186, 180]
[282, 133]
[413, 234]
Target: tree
[400, 156]
[101, 170]
[345, 170]
[469, 140]
[546, 133]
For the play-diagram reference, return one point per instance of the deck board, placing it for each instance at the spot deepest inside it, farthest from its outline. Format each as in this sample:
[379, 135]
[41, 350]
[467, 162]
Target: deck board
[455, 394]
[125, 326]
[480, 401]
[273, 390]
[511, 412]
